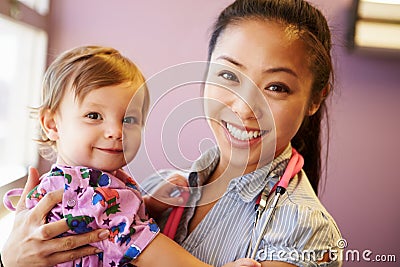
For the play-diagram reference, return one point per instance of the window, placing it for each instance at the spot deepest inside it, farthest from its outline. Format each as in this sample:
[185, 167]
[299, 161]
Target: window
[23, 54]
[40, 6]
[23, 49]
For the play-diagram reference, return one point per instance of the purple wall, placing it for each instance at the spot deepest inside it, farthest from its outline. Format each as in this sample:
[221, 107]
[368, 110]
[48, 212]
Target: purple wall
[361, 192]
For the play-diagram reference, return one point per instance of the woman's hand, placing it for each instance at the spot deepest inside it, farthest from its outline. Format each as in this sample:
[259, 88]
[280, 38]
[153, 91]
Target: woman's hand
[33, 243]
[160, 199]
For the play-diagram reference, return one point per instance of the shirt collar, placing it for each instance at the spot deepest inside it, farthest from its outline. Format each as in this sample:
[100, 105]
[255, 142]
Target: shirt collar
[248, 186]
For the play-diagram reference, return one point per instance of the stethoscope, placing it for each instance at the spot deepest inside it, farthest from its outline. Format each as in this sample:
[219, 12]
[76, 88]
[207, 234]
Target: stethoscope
[294, 166]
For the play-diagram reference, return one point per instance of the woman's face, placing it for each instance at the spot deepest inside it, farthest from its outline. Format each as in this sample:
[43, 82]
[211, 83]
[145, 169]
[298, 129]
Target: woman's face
[258, 93]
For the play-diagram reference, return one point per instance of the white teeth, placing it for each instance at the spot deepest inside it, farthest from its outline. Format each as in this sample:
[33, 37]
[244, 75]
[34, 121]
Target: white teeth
[243, 135]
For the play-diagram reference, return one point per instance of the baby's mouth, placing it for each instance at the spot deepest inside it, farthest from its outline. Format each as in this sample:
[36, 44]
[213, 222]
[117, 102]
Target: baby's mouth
[243, 133]
[111, 150]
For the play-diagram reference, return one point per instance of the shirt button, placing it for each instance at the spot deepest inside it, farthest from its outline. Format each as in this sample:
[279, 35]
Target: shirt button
[71, 203]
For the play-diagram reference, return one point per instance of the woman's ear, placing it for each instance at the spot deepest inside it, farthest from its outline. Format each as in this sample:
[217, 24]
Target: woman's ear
[314, 107]
[49, 125]
[317, 100]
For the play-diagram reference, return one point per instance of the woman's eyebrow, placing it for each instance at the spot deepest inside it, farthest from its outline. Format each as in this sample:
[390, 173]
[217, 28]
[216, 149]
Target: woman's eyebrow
[231, 60]
[281, 69]
[270, 70]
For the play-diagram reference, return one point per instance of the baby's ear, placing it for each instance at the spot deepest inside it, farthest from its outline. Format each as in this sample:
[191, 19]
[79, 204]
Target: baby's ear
[317, 100]
[49, 125]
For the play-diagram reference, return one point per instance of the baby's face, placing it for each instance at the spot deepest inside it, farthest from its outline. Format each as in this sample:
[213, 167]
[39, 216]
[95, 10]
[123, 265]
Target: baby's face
[101, 131]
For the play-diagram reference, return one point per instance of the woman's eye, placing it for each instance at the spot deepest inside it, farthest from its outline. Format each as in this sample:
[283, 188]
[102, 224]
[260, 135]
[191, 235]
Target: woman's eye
[277, 88]
[94, 116]
[227, 75]
[130, 120]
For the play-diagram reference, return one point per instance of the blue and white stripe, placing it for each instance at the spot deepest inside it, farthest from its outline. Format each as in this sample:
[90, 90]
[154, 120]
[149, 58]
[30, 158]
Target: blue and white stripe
[300, 222]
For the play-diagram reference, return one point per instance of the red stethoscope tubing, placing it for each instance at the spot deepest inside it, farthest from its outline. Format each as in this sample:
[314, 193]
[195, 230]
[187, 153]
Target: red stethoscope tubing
[294, 166]
[175, 216]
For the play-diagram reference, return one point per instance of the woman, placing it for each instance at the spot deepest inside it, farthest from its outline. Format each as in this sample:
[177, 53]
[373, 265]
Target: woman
[283, 47]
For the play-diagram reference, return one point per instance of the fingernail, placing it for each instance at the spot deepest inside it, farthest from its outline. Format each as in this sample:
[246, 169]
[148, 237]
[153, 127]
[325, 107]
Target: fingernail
[98, 251]
[104, 234]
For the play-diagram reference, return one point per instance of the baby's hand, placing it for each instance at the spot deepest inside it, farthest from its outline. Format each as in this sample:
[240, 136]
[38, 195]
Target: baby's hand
[160, 199]
[244, 262]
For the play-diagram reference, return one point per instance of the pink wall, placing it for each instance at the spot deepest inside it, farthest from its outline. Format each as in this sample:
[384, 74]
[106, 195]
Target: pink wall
[361, 192]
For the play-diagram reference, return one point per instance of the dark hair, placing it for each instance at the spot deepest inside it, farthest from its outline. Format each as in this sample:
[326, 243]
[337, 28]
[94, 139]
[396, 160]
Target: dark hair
[311, 27]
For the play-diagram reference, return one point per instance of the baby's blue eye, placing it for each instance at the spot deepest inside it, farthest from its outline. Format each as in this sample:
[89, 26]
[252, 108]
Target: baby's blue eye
[227, 75]
[130, 120]
[94, 116]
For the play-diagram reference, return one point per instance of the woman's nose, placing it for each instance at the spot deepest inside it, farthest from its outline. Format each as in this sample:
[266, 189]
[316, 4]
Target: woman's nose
[113, 130]
[247, 104]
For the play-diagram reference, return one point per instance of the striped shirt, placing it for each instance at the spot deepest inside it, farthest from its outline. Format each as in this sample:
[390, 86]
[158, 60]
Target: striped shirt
[301, 230]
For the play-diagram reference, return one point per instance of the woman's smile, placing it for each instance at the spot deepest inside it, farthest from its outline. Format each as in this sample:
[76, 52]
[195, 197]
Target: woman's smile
[242, 136]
